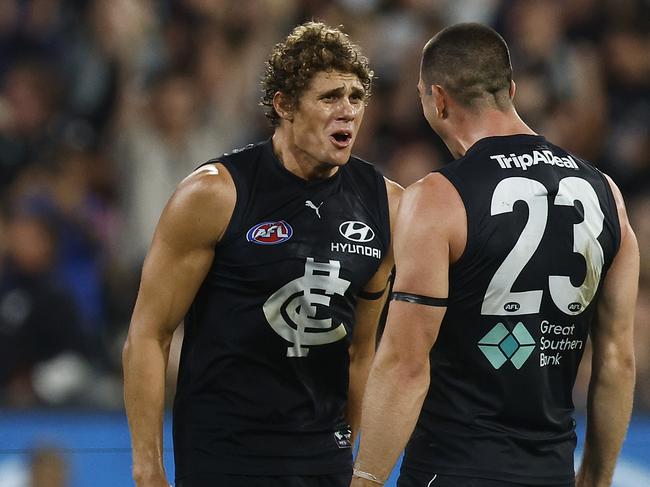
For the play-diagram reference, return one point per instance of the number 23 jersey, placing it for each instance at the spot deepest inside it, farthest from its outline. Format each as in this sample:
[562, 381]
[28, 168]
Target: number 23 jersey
[263, 377]
[542, 229]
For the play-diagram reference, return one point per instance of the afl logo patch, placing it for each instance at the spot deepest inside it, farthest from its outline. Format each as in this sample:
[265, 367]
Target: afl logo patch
[270, 233]
[356, 231]
[574, 307]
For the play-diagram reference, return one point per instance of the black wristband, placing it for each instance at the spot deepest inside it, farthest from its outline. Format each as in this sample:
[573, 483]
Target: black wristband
[419, 299]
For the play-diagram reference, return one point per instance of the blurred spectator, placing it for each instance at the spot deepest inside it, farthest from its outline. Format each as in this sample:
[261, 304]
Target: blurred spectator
[31, 29]
[74, 192]
[48, 467]
[28, 104]
[117, 44]
[627, 65]
[162, 146]
[412, 161]
[560, 89]
[38, 320]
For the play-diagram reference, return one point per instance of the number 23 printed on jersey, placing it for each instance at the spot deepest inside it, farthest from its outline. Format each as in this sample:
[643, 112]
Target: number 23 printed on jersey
[572, 300]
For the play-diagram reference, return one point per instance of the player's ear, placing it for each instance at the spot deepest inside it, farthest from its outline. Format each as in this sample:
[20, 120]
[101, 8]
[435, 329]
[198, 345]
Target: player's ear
[513, 89]
[439, 101]
[283, 106]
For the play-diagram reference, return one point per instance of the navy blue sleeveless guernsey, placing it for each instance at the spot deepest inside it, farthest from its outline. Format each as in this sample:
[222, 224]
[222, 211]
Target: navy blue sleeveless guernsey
[263, 376]
[542, 230]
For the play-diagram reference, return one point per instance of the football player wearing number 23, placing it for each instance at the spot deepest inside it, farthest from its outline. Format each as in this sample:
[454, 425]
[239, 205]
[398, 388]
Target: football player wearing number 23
[278, 256]
[506, 261]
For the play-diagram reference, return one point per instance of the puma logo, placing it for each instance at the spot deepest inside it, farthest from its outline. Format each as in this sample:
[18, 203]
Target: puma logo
[311, 205]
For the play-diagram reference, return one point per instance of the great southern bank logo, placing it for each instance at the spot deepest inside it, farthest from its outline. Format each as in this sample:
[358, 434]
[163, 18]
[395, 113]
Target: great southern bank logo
[500, 345]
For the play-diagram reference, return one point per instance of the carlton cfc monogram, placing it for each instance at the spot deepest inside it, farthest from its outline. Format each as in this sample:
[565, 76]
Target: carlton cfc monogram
[292, 309]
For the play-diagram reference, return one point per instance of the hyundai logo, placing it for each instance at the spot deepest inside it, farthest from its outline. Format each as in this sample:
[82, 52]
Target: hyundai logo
[356, 231]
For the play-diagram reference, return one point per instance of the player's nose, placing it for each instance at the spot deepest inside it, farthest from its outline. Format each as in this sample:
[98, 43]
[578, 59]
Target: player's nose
[347, 109]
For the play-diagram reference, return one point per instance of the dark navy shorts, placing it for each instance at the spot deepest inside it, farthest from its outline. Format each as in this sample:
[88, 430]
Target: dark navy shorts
[229, 480]
[413, 478]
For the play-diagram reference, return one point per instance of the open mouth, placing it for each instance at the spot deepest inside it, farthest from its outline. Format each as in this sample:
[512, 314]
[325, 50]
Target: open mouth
[341, 139]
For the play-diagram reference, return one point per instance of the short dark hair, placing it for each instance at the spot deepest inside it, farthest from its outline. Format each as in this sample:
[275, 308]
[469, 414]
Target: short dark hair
[311, 48]
[471, 61]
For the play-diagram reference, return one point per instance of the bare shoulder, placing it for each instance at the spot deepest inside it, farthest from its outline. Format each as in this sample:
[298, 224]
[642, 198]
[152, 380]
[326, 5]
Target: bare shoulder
[620, 206]
[394, 192]
[202, 204]
[210, 184]
[618, 196]
[433, 207]
[393, 189]
[433, 193]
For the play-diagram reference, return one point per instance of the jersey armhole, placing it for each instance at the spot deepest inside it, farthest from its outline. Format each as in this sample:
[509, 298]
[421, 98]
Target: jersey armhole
[367, 179]
[235, 218]
[471, 230]
[384, 207]
[612, 202]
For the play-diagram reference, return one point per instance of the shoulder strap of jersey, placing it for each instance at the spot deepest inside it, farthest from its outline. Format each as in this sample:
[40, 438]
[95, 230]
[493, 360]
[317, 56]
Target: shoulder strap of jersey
[241, 164]
[369, 181]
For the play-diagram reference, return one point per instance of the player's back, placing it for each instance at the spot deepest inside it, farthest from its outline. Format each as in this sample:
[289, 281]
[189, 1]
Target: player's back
[542, 229]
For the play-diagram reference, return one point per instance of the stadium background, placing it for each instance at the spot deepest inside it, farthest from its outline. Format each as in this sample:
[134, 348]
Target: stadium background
[106, 104]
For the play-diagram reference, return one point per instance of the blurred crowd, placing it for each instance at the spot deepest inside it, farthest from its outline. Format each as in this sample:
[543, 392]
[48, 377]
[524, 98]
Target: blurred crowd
[105, 105]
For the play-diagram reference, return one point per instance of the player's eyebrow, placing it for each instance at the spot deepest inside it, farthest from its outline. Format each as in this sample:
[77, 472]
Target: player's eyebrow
[358, 92]
[334, 92]
[340, 90]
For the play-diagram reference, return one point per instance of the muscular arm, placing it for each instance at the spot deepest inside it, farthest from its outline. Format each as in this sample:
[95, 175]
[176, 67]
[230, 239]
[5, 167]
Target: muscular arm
[179, 258]
[429, 233]
[612, 377]
[368, 312]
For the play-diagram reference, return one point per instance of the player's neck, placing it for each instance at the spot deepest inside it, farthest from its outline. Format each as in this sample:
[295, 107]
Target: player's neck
[491, 123]
[298, 162]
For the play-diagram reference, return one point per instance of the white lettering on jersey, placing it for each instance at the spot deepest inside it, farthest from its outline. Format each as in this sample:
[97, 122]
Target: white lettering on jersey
[291, 310]
[524, 161]
[355, 249]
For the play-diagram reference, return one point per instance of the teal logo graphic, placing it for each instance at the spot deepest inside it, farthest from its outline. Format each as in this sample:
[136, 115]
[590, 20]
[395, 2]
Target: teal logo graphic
[499, 345]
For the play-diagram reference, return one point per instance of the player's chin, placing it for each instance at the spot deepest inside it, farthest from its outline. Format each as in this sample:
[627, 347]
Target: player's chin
[339, 157]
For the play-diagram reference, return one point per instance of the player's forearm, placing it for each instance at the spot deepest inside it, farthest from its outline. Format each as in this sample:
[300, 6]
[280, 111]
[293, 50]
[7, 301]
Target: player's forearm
[608, 414]
[359, 371]
[391, 406]
[362, 349]
[144, 362]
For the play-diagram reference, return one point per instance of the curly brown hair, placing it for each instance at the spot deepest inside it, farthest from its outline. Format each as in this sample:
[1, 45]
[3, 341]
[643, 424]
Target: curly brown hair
[311, 48]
